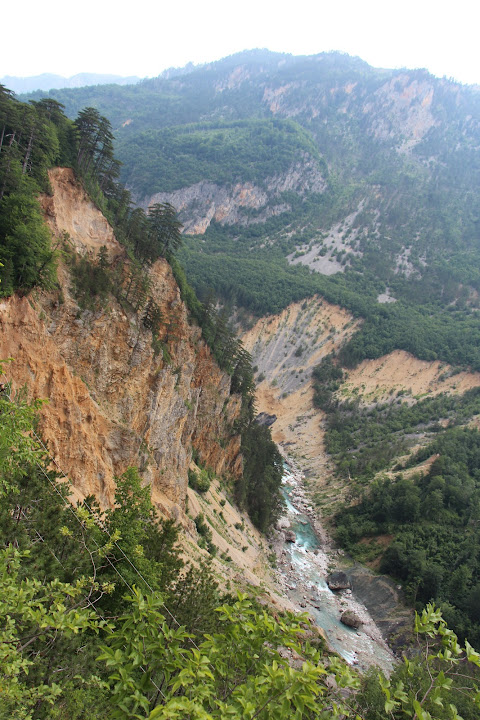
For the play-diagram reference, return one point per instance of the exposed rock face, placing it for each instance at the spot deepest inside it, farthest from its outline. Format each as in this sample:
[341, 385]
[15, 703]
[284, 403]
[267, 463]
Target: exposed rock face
[70, 210]
[400, 108]
[350, 619]
[338, 581]
[242, 203]
[406, 109]
[112, 402]
[265, 419]
[384, 601]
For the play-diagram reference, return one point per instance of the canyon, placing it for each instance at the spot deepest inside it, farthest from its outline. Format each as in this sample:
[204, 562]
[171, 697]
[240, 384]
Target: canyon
[114, 400]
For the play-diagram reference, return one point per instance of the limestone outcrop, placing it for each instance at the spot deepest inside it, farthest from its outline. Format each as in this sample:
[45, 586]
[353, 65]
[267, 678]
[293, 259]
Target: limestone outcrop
[244, 203]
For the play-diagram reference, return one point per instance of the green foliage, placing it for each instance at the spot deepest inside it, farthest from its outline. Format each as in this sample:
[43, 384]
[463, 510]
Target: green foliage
[35, 615]
[16, 420]
[258, 489]
[95, 157]
[414, 230]
[148, 669]
[25, 248]
[164, 229]
[327, 377]
[444, 673]
[236, 672]
[29, 143]
[199, 481]
[245, 269]
[170, 656]
[205, 534]
[92, 280]
[435, 552]
[365, 440]
[221, 152]
[32, 138]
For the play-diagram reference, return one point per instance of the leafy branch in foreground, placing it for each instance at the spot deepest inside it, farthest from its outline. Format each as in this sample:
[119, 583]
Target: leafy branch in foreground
[443, 666]
[235, 673]
[33, 616]
[254, 665]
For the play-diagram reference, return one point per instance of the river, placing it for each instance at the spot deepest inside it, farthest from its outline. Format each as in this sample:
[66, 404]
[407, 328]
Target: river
[304, 566]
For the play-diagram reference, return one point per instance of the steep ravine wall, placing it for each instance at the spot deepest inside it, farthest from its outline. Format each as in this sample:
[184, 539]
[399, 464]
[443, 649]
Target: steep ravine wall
[111, 401]
[245, 203]
[286, 348]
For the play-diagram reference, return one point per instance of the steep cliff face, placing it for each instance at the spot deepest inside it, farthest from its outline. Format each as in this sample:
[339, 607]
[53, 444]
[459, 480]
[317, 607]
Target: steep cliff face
[243, 203]
[112, 401]
[400, 109]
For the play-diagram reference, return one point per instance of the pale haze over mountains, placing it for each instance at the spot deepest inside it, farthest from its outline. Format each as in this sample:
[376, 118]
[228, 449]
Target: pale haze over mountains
[50, 81]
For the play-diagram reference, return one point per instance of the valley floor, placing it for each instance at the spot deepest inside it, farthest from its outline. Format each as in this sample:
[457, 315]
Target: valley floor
[303, 567]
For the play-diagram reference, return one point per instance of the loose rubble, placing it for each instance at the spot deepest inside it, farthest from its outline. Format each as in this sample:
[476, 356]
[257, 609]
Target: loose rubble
[298, 562]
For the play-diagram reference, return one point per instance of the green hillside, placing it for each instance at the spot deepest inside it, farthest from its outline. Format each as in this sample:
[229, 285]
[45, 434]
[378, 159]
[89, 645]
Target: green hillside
[399, 154]
[222, 152]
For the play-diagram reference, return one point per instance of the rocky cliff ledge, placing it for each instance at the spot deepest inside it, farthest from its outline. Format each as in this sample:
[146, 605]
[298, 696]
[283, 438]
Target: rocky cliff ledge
[244, 203]
[112, 400]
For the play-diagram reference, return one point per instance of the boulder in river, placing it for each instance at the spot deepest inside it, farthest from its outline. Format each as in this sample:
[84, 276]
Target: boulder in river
[290, 536]
[350, 619]
[338, 581]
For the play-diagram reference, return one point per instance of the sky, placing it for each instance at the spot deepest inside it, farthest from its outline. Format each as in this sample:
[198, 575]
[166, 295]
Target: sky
[145, 37]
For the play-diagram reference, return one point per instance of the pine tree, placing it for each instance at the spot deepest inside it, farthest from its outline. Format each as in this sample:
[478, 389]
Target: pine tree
[164, 228]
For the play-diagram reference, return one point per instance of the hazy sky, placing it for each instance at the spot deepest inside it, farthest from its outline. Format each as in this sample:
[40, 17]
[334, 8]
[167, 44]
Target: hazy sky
[143, 37]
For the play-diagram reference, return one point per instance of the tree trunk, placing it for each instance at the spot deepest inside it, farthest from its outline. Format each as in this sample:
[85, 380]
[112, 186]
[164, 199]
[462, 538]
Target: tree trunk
[28, 153]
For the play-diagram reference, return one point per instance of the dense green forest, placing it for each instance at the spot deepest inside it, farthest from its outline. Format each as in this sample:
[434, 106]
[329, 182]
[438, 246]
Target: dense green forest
[222, 152]
[432, 520]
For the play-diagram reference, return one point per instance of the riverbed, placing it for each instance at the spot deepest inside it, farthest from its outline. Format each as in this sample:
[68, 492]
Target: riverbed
[304, 566]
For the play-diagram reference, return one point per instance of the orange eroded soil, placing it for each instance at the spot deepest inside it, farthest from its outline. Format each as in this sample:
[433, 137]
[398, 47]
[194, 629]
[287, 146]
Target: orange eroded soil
[377, 380]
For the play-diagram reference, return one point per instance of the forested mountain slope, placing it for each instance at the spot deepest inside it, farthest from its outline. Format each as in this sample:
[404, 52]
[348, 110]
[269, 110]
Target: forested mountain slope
[366, 180]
